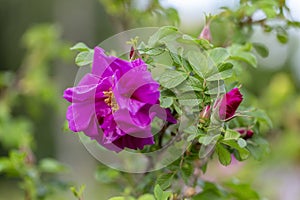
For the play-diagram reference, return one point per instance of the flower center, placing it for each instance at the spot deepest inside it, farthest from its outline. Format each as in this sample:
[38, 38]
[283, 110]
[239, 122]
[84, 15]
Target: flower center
[111, 100]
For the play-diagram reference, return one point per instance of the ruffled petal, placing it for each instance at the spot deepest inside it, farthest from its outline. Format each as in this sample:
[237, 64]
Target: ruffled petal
[128, 141]
[127, 124]
[131, 86]
[105, 66]
[79, 116]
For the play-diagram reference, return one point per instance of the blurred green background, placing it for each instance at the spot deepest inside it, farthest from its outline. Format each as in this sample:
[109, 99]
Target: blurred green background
[36, 66]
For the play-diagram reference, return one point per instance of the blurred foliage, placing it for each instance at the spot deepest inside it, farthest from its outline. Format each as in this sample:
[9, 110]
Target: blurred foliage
[24, 96]
[78, 193]
[127, 14]
[236, 26]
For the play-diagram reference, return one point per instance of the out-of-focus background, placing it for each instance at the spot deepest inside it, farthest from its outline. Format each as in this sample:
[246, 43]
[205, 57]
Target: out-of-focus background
[36, 65]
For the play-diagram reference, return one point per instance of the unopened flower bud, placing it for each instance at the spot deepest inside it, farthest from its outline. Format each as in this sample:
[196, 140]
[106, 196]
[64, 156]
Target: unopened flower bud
[133, 54]
[205, 113]
[205, 33]
[229, 104]
[245, 133]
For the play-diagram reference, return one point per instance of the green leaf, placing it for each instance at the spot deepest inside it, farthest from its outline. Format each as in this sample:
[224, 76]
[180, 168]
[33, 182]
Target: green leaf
[210, 191]
[270, 12]
[160, 34]
[245, 57]
[225, 66]
[282, 35]
[241, 191]
[172, 78]
[177, 108]
[146, 197]
[218, 55]
[189, 99]
[187, 37]
[193, 132]
[220, 76]
[166, 102]
[198, 62]
[261, 49]
[160, 194]
[172, 15]
[186, 172]
[208, 139]
[261, 116]
[231, 135]
[191, 84]
[78, 193]
[204, 167]
[224, 155]
[293, 23]
[121, 198]
[243, 152]
[165, 180]
[243, 53]
[152, 51]
[49, 165]
[17, 161]
[242, 143]
[207, 195]
[258, 147]
[80, 46]
[204, 44]
[84, 58]
[176, 59]
[167, 93]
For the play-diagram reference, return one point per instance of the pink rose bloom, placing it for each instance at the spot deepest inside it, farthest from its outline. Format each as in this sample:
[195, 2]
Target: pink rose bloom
[115, 103]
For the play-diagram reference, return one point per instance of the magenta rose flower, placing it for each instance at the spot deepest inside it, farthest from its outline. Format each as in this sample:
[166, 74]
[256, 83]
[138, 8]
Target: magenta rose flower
[245, 133]
[116, 103]
[229, 104]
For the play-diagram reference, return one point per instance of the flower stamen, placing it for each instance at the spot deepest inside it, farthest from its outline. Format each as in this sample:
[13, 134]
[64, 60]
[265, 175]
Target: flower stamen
[111, 100]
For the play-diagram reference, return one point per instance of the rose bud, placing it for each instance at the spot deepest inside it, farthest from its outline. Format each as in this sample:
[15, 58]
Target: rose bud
[205, 33]
[229, 104]
[205, 114]
[133, 54]
[245, 133]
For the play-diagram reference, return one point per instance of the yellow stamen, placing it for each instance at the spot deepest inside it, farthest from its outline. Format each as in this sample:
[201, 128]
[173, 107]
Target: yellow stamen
[111, 100]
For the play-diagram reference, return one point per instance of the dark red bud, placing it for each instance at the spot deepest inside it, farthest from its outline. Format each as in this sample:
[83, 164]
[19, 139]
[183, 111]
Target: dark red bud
[131, 54]
[229, 104]
[245, 133]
